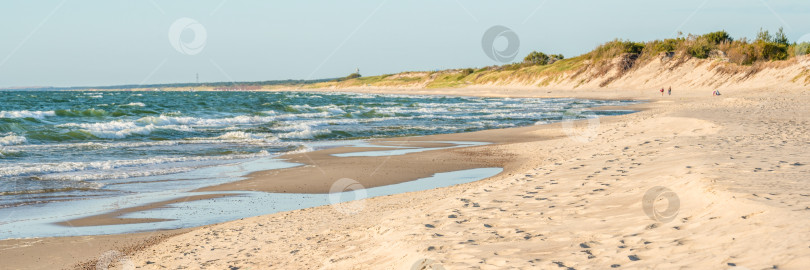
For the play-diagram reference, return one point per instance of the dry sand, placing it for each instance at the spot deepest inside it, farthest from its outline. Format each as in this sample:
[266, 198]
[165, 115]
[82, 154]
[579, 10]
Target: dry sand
[737, 164]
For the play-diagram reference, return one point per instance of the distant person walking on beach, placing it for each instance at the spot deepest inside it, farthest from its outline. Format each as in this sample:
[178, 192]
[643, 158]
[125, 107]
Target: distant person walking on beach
[669, 92]
[662, 91]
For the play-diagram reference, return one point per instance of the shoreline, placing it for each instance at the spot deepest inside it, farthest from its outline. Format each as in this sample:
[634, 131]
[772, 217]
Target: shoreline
[651, 109]
[458, 155]
[321, 168]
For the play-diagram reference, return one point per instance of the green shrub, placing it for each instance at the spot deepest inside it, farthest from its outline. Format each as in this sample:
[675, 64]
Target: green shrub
[717, 37]
[741, 52]
[633, 47]
[780, 37]
[617, 47]
[353, 76]
[772, 51]
[467, 71]
[700, 48]
[667, 45]
[764, 35]
[801, 49]
[536, 58]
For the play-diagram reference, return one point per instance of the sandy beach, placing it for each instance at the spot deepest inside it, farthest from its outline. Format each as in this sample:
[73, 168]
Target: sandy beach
[723, 180]
[397, 135]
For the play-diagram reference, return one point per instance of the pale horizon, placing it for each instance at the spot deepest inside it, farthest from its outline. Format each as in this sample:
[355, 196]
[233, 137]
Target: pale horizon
[73, 44]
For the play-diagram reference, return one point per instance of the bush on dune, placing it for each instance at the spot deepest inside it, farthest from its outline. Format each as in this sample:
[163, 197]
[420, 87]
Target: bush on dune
[539, 58]
[766, 47]
[616, 48]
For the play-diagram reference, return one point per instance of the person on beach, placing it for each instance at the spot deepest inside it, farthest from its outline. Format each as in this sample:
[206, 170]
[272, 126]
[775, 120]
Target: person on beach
[662, 91]
[669, 92]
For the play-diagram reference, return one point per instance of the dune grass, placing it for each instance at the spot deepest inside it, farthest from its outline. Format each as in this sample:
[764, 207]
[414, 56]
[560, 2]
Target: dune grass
[545, 69]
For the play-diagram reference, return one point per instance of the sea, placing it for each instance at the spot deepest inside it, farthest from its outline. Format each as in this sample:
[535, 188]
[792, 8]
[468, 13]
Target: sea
[63, 149]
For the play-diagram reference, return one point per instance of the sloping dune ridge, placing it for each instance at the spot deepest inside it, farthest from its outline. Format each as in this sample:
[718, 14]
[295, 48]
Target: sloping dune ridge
[622, 72]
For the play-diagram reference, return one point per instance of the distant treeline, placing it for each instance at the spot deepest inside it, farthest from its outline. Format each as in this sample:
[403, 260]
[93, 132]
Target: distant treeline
[220, 85]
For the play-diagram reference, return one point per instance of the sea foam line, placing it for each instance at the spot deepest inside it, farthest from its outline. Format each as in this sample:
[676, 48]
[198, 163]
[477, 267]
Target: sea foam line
[26, 114]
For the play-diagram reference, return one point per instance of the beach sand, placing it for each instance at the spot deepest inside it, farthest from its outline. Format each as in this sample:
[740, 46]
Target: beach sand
[735, 164]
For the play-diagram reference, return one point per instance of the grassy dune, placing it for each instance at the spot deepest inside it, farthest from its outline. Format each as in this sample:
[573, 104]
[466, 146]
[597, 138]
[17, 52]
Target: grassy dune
[729, 62]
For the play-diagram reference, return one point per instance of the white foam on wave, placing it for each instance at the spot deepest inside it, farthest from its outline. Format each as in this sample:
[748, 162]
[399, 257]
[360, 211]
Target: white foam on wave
[42, 169]
[392, 110]
[164, 120]
[331, 108]
[26, 114]
[107, 175]
[12, 140]
[135, 104]
[241, 135]
[301, 130]
[304, 134]
[119, 129]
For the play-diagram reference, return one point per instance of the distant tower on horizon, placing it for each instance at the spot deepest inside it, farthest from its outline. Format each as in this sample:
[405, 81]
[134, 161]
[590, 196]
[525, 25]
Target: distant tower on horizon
[357, 71]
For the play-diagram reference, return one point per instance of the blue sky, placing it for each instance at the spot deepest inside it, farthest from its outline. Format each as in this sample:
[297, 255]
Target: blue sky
[109, 42]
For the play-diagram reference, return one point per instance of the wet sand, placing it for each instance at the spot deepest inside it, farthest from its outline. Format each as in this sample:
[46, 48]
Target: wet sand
[67, 252]
[114, 218]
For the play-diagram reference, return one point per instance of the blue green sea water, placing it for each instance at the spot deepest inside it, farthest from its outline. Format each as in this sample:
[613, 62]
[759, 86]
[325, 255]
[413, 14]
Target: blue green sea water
[80, 145]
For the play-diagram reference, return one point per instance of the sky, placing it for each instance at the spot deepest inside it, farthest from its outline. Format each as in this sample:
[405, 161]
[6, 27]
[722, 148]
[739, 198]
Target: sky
[112, 42]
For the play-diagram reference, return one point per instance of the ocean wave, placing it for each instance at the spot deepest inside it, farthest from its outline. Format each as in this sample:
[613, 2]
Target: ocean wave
[240, 135]
[7, 152]
[12, 140]
[26, 114]
[301, 130]
[108, 175]
[119, 129]
[87, 112]
[164, 120]
[41, 169]
[304, 134]
[228, 138]
[135, 104]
